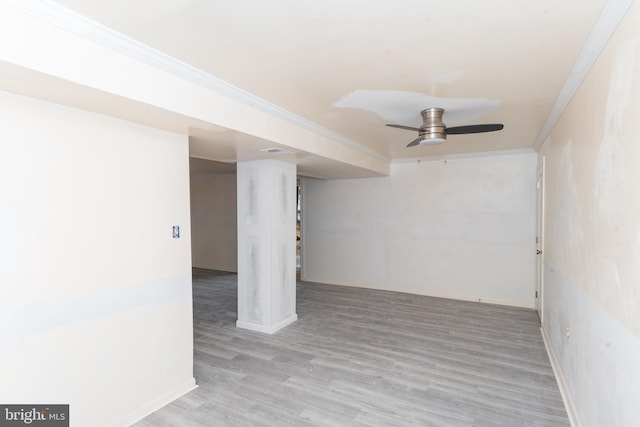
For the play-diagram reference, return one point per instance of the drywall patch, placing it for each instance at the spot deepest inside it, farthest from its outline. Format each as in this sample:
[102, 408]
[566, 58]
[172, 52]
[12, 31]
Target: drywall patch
[599, 361]
[403, 107]
[611, 155]
[568, 215]
[255, 314]
[615, 212]
[284, 205]
[42, 316]
[619, 96]
[252, 198]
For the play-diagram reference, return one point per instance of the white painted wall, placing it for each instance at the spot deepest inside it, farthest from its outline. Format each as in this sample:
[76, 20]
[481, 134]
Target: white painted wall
[95, 305]
[214, 243]
[592, 232]
[463, 229]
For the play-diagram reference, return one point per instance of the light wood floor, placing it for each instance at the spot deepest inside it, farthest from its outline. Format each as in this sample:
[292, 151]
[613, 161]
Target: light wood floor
[359, 357]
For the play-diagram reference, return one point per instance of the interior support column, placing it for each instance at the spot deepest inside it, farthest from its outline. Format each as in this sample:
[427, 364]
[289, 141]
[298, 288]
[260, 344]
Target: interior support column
[266, 245]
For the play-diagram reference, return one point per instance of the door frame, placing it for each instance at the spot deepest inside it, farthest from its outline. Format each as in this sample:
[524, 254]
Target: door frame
[540, 193]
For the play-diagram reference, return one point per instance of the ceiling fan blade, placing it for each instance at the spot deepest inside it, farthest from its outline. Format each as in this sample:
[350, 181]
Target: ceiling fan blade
[403, 127]
[457, 130]
[414, 142]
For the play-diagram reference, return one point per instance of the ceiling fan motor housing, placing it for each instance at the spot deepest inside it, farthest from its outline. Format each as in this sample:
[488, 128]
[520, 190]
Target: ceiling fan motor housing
[432, 131]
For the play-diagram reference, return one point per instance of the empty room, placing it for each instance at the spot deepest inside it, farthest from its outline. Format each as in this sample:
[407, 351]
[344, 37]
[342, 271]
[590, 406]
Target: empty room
[339, 213]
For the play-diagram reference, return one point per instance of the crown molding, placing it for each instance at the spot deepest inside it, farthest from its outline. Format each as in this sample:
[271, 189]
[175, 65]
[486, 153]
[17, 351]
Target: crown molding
[607, 22]
[473, 155]
[53, 13]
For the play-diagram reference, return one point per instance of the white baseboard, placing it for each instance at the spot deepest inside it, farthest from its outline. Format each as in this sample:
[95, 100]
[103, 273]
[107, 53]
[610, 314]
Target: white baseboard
[413, 291]
[562, 384]
[158, 403]
[267, 329]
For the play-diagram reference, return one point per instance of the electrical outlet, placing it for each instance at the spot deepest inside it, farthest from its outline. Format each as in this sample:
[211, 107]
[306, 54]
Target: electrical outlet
[568, 332]
[176, 231]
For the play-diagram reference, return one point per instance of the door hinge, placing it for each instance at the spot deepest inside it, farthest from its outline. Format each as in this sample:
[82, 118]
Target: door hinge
[536, 294]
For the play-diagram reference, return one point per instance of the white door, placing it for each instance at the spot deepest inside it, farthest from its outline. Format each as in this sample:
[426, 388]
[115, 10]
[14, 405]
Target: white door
[540, 240]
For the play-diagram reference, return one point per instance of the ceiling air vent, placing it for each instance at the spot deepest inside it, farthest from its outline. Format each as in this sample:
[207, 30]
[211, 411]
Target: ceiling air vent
[275, 151]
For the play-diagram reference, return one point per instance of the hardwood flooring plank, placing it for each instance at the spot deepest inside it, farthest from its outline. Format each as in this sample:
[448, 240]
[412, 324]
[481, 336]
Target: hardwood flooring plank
[362, 357]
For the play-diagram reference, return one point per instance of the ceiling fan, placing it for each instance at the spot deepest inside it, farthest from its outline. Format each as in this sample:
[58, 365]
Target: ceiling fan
[433, 131]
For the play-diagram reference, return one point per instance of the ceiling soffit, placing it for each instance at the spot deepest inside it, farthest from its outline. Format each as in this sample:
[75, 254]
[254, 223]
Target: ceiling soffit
[323, 114]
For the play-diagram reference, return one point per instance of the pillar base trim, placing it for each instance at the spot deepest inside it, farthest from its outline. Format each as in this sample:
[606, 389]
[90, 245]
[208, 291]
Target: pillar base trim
[264, 328]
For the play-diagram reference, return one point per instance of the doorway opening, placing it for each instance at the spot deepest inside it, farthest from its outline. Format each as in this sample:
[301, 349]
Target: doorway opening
[298, 228]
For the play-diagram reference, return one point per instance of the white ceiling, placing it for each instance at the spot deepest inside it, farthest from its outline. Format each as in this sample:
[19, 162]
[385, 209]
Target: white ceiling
[353, 66]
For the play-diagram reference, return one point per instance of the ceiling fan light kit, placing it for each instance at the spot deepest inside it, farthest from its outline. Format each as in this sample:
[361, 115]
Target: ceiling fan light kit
[432, 140]
[433, 131]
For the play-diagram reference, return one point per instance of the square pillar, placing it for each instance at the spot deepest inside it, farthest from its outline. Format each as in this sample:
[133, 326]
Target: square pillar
[266, 245]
